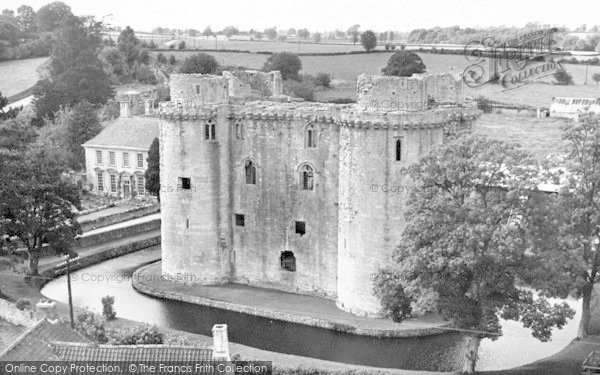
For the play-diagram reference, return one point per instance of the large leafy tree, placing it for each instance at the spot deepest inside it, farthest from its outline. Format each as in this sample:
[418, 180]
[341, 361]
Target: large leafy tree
[368, 39]
[568, 261]
[199, 63]
[153, 172]
[463, 249]
[51, 16]
[287, 63]
[36, 205]
[26, 21]
[75, 70]
[404, 64]
[129, 45]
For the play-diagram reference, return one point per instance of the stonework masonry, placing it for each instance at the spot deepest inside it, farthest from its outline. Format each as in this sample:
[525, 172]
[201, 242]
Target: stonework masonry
[302, 197]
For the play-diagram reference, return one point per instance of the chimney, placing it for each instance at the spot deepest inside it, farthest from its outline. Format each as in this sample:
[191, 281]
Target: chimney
[48, 309]
[220, 342]
[125, 109]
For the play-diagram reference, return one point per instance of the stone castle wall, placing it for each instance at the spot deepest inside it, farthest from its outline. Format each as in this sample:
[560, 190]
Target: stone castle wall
[353, 215]
[199, 89]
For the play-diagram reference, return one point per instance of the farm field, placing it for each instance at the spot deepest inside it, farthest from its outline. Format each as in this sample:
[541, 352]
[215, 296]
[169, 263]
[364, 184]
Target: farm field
[19, 75]
[538, 136]
[345, 68]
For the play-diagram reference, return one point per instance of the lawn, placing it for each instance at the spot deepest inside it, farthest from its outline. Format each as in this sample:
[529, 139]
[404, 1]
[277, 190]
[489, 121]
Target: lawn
[539, 136]
[19, 75]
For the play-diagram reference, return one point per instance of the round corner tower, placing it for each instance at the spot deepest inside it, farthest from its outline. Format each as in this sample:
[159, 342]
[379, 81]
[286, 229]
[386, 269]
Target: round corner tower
[194, 154]
[395, 123]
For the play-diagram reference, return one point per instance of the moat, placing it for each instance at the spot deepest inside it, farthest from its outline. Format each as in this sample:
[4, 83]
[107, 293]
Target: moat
[438, 352]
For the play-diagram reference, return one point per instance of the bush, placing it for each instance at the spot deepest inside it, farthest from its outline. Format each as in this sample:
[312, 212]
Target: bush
[161, 59]
[138, 335]
[368, 39]
[108, 311]
[23, 303]
[144, 74]
[287, 63]
[323, 79]
[92, 328]
[181, 45]
[172, 60]
[342, 101]
[304, 89]
[388, 288]
[404, 64]
[562, 77]
[199, 63]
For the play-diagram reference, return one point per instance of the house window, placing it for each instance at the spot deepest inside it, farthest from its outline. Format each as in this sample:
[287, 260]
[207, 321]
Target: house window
[300, 227]
[239, 220]
[140, 160]
[141, 186]
[310, 137]
[209, 130]
[113, 183]
[100, 182]
[306, 177]
[111, 158]
[398, 149]
[98, 157]
[250, 172]
[239, 130]
[185, 183]
[126, 159]
[288, 261]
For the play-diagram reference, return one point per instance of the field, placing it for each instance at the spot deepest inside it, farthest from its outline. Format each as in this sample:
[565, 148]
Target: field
[538, 136]
[345, 68]
[19, 75]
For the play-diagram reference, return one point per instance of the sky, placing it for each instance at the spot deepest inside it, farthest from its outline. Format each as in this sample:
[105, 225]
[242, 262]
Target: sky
[322, 15]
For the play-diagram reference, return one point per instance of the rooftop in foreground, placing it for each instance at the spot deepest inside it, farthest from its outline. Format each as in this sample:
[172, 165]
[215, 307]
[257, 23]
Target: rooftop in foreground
[274, 304]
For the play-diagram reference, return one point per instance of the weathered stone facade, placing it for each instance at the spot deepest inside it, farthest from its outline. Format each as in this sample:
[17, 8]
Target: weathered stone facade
[302, 197]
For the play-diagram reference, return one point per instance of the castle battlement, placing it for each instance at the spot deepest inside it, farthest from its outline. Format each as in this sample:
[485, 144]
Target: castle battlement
[298, 196]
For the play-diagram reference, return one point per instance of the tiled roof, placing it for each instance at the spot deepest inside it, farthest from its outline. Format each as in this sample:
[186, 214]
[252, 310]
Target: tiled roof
[69, 351]
[135, 132]
[34, 343]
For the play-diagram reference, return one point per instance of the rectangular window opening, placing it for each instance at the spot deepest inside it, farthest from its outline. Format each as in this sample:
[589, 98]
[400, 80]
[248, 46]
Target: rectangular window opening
[240, 220]
[140, 160]
[300, 227]
[185, 183]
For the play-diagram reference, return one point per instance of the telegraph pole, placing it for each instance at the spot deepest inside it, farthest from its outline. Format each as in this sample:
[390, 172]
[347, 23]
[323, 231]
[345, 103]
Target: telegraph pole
[69, 289]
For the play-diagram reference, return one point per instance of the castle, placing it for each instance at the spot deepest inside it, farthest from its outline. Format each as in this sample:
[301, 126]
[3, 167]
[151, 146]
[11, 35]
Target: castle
[262, 189]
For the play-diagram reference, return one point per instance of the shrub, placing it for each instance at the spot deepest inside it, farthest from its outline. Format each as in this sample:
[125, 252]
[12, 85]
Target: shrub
[562, 77]
[161, 59]
[199, 63]
[152, 45]
[287, 63]
[108, 310]
[388, 288]
[404, 64]
[181, 45]
[304, 89]
[368, 39]
[172, 60]
[92, 328]
[138, 335]
[323, 79]
[23, 303]
[342, 101]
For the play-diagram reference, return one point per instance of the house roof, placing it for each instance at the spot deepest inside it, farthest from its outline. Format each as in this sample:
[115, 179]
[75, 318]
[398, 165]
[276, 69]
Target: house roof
[34, 343]
[69, 351]
[127, 132]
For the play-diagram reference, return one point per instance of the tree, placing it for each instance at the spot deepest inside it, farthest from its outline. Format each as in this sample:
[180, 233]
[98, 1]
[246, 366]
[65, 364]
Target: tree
[76, 72]
[317, 37]
[271, 33]
[368, 39]
[353, 33]
[562, 77]
[26, 19]
[172, 60]
[153, 172]
[208, 31]
[230, 31]
[129, 45]
[464, 247]
[596, 77]
[181, 45]
[287, 63]
[38, 207]
[404, 64]
[303, 33]
[199, 63]
[9, 31]
[9, 113]
[567, 262]
[51, 16]
[161, 59]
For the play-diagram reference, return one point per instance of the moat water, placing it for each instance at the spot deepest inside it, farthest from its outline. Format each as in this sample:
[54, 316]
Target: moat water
[440, 352]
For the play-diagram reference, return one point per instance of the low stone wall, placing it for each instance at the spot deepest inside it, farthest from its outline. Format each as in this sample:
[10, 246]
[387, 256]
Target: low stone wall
[118, 233]
[92, 259]
[142, 275]
[10, 313]
[119, 217]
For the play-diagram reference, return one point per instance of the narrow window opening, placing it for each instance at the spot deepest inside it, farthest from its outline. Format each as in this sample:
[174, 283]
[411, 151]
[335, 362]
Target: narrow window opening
[187, 223]
[240, 220]
[250, 172]
[310, 137]
[206, 131]
[288, 261]
[398, 150]
[197, 89]
[306, 177]
[212, 131]
[185, 183]
[301, 227]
